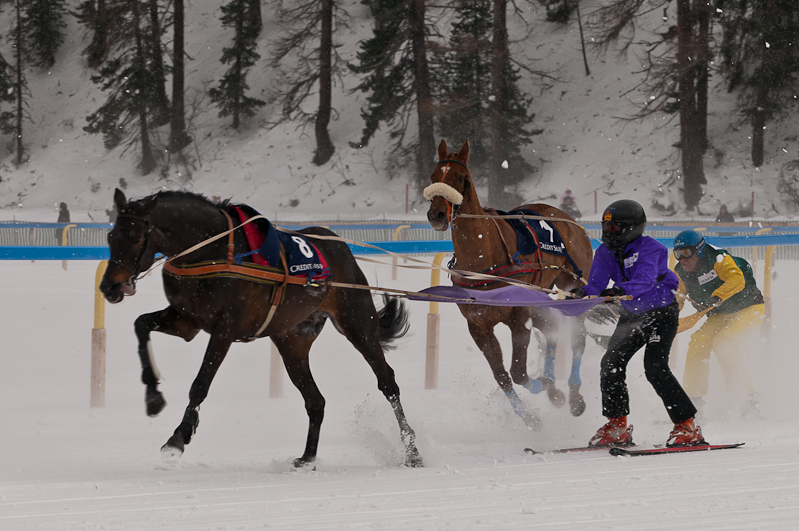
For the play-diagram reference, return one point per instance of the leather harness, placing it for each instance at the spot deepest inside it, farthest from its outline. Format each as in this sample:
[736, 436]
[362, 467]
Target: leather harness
[252, 272]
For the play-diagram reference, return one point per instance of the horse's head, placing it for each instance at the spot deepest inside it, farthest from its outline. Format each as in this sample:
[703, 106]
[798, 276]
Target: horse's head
[452, 182]
[131, 246]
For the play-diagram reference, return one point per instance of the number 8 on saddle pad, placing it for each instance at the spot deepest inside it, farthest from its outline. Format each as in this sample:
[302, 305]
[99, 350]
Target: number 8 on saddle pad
[302, 257]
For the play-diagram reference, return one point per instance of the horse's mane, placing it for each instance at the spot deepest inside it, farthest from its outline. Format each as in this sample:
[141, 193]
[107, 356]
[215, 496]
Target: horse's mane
[191, 195]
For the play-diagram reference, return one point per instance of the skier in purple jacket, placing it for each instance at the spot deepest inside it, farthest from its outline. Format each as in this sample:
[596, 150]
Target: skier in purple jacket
[638, 267]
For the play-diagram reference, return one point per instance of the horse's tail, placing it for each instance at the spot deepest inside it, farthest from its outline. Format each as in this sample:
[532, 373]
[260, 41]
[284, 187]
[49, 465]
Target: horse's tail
[393, 319]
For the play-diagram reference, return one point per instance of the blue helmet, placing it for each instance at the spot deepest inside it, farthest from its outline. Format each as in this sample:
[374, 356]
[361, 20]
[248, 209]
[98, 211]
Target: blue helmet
[687, 243]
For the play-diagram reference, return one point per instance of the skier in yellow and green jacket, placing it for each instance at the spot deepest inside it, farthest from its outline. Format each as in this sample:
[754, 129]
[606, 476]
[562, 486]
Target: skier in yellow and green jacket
[712, 278]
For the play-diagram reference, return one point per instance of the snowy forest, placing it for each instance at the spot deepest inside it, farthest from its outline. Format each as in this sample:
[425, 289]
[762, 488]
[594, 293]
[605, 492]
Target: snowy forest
[456, 70]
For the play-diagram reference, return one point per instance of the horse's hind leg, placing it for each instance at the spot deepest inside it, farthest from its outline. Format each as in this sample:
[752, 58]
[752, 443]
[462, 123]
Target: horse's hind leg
[549, 326]
[356, 318]
[576, 401]
[294, 349]
[215, 353]
[166, 321]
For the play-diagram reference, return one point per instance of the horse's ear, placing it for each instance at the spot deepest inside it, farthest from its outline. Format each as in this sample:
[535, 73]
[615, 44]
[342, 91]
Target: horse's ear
[442, 149]
[463, 154]
[119, 199]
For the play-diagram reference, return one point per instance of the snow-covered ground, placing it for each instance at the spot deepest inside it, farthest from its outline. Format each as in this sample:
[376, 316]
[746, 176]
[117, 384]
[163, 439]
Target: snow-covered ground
[66, 466]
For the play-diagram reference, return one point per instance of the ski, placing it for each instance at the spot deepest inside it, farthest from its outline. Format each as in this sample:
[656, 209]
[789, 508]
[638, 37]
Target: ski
[575, 449]
[672, 450]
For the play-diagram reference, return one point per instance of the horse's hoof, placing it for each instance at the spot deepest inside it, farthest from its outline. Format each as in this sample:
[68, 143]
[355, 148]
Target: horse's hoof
[170, 452]
[533, 422]
[576, 401]
[555, 395]
[414, 460]
[302, 461]
[155, 403]
[173, 448]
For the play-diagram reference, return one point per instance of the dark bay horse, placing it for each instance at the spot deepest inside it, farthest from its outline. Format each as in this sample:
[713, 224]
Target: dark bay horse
[486, 245]
[230, 308]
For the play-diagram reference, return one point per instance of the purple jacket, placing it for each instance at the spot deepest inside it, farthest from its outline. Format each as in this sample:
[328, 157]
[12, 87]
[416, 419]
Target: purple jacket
[646, 275]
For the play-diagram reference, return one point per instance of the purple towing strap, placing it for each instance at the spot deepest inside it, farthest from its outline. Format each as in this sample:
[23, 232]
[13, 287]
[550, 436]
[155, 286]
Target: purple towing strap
[505, 296]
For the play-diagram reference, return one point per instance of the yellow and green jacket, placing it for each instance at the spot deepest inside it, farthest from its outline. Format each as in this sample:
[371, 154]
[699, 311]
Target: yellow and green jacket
[719, 274]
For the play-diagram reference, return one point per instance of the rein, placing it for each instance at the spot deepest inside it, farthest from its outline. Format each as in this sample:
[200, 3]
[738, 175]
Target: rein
[246, 271]
[519, 216]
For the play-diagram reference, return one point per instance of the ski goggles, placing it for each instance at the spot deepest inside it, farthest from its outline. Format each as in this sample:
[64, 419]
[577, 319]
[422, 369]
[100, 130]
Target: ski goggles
[684, 253]
[611, 228]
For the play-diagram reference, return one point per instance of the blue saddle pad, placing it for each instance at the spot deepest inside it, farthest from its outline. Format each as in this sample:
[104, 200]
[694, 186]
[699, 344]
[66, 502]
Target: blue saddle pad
[548, 236]
[302, 257]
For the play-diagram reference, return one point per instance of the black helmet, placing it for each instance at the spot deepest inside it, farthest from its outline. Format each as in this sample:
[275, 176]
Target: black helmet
[622, 222]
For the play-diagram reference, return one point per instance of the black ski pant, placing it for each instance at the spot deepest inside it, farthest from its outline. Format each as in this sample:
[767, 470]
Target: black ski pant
[656, 329]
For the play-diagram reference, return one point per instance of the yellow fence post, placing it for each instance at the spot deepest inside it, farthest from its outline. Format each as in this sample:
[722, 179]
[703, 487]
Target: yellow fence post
[767, 295]
[433, 327]
[394, 258]
[755, 252]
[64, 242]
[98, 342]
[673, 353]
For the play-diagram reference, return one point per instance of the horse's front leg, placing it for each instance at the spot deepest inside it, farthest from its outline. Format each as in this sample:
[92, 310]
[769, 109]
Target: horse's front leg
[166, 321]
[489, 345]
[215, 354]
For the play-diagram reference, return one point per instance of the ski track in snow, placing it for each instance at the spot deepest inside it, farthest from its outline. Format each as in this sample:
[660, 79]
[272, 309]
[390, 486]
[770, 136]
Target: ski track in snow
[64, 466]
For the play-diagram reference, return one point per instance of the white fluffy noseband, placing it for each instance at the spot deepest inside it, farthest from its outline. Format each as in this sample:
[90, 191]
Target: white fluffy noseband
[445, 191]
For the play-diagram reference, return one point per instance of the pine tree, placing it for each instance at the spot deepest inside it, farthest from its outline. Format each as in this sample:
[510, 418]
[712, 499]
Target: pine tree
[394, 63]
[508, 115]
[675, 78]
[230, 96]
[7, 95]
[43, 25]
[105, 19]
[759, 57]
[463, 81]
[178, 137]
[312, 64]
[133, 88]
[463, 78]
[17, 91]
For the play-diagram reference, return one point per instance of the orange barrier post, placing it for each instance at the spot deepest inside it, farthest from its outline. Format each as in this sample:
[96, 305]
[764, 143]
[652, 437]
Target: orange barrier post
[98, 342]
[394, 258]
[433, 328]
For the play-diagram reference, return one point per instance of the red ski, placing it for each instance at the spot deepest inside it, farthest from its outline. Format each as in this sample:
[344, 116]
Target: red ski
[673, 449]
[576, 449]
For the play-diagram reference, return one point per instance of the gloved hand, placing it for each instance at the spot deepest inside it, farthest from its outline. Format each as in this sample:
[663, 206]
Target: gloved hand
[714, 302]
[615, 291]
[577, 293]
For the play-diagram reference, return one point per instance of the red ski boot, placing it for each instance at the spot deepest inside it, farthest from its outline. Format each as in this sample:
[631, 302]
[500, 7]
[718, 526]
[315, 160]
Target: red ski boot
[686, 433]
[614, 433]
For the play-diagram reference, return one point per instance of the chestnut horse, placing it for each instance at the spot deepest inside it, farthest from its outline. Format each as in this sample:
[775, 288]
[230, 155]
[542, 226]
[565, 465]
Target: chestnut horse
[231, 308]
[488, 245]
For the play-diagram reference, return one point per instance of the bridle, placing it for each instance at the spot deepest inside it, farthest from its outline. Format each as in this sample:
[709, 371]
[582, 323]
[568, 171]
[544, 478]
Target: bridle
[447, 192]
[136, 271]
